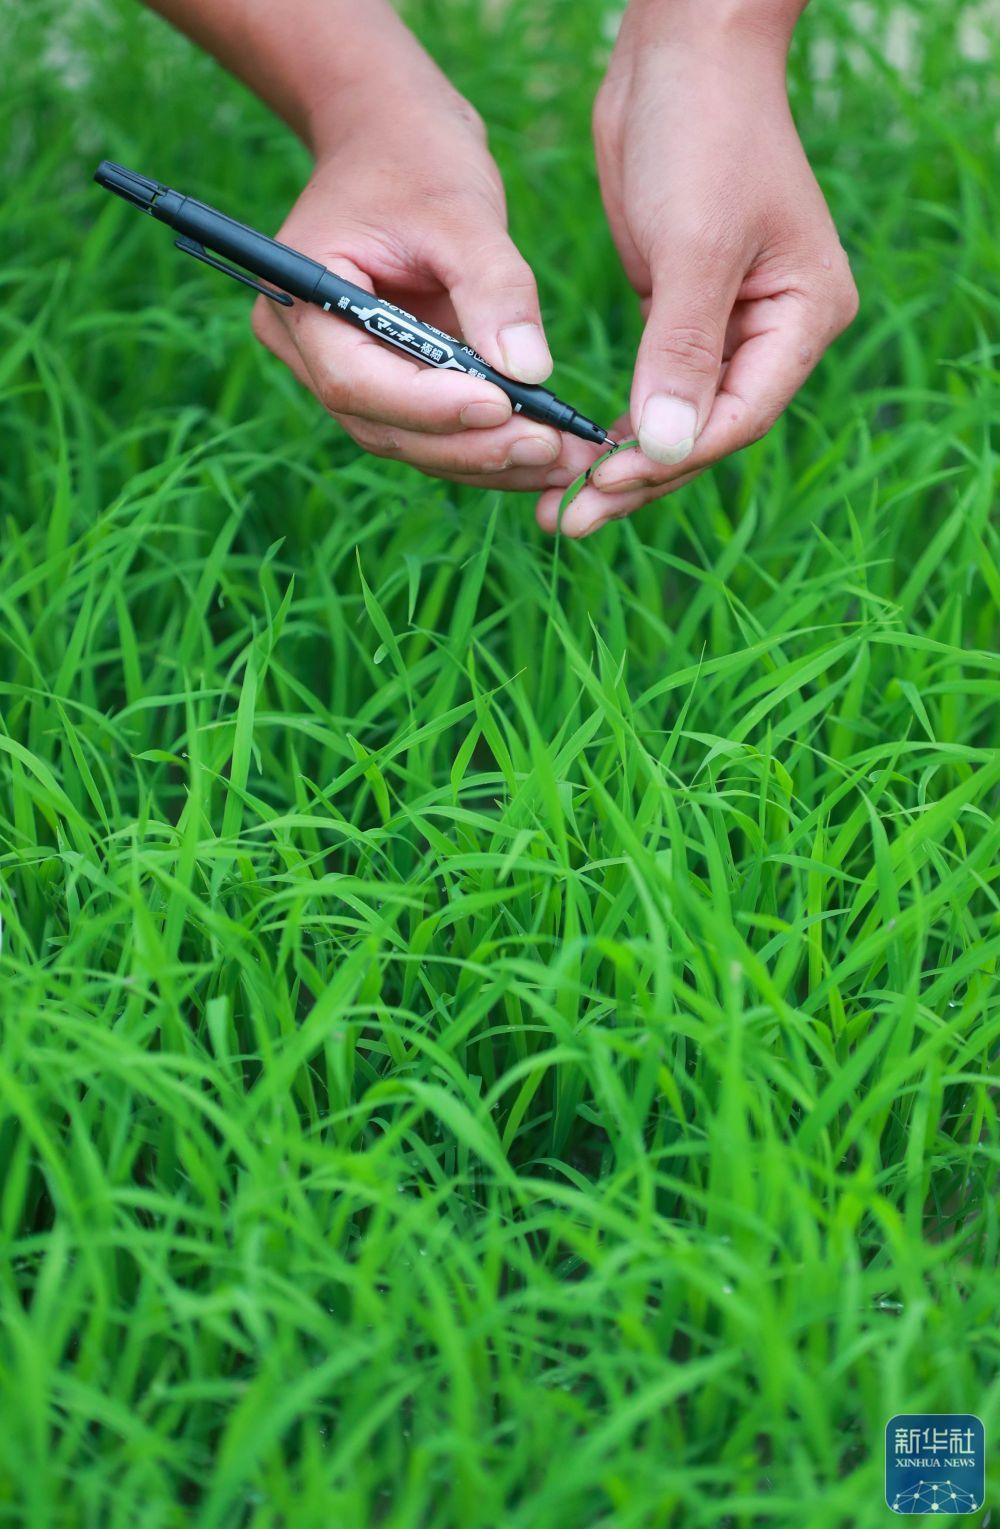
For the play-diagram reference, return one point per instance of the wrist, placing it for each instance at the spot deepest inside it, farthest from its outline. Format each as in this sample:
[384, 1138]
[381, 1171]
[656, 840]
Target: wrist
[354, 101]
[320, 64]
[707, 23]
[429, 119]
[740, 54]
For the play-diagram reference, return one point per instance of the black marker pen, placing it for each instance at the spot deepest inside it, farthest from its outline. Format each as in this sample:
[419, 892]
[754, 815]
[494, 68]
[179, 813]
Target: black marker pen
[292, 274]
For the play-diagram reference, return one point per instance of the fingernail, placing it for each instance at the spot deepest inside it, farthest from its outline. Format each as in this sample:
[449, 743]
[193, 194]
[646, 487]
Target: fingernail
[525, 353]
[532, 451]
[667, 428]
[485, 414]
[562, 477]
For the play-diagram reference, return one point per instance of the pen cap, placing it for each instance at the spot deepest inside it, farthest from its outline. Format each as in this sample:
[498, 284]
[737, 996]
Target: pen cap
[137, 189]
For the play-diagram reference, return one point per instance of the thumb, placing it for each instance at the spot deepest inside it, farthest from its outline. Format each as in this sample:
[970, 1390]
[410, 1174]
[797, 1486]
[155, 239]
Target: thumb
[680, 356]
[495, 298]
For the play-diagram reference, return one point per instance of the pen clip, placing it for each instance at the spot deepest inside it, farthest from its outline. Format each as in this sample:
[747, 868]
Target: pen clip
[191, 247]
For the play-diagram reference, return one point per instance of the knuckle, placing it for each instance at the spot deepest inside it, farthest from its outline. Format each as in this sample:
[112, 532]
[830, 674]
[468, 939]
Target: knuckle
[509, 272]
[336, 394]
[841, 293]
[846, 302]
[361, 432]
[609, 104]
[469, 117]
[331, 397]
[691, 346]
[706, 239]
[467, 458]
[762, 425]
[384, 442]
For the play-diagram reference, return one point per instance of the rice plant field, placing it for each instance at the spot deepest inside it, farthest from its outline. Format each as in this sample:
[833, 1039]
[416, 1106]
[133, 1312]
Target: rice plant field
[498, 1032]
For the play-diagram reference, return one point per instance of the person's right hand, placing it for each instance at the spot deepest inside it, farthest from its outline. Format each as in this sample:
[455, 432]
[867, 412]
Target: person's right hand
[407, 201]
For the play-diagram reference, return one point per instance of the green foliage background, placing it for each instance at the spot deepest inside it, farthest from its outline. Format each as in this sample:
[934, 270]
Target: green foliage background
[494, 1032]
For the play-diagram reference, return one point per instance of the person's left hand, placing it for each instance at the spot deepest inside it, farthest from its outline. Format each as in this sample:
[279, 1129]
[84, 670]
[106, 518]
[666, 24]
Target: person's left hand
[724, 234]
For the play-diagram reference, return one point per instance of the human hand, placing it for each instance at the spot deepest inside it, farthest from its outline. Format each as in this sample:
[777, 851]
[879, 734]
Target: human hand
[411, 205]
[725, 236]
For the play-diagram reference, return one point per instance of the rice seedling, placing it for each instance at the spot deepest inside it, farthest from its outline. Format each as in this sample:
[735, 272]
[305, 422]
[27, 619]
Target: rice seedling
[497, 1031]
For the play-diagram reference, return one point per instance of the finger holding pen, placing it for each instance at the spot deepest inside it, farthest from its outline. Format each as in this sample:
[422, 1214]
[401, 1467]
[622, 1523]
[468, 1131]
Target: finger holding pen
[352, 373]
[384, 404]
[394, 405]
[434, 243]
